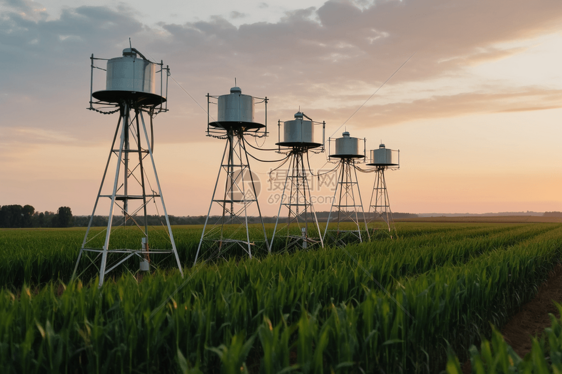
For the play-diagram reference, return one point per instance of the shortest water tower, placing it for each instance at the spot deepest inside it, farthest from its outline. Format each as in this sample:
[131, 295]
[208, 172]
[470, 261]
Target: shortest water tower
[379, 208]
[346, 213]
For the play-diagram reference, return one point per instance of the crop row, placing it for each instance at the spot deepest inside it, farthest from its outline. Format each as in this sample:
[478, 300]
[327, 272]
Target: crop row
[359, 309]
[38, 256]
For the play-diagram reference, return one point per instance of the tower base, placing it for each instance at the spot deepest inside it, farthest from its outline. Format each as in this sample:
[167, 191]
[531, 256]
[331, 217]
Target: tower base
[126, 235]
[380, 214]
[229, 229]
[345, 213]
[301, 229]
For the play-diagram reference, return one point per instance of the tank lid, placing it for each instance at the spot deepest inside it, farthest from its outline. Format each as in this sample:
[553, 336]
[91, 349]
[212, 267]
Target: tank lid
[298, 115]
[346, 134]
[236, 90]
[129, 52]
[381, 146]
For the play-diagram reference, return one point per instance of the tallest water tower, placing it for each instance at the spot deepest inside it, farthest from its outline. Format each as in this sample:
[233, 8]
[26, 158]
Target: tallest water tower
[136, 88]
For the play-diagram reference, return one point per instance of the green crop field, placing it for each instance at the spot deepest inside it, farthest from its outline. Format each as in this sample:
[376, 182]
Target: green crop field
[389, 306]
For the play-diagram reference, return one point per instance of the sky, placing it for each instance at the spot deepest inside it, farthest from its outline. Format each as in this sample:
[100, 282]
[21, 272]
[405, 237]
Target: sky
[472, 99]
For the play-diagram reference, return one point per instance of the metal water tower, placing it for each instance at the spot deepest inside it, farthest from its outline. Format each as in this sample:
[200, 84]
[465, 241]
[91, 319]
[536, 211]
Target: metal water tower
[379, 208]
[346, 212]
[301, 228]
[130, 90]
[227, 225]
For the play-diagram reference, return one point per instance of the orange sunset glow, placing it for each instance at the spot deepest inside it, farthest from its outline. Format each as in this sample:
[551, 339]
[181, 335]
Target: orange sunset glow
[475, 108]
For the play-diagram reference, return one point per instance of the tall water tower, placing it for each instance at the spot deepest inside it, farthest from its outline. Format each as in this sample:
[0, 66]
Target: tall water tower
[227, 226]
[135, 191]
[380, 214]
[301, 227]
[346, 213]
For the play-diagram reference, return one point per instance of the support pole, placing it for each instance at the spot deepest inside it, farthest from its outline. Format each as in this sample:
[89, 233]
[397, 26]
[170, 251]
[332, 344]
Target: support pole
[125, 128]
[175, 251]
[298, 202]
[361, 204]
[210, 206]
[234, 203]
[346, 206]
[84, 242]
[381, 207]
[143, 185]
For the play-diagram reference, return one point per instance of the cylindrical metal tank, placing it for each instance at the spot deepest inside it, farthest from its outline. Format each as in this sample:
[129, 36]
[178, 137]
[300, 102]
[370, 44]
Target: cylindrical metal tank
[298, 130]
[130, 73]
[382, 156]
[235, 107]
[347, 146]
[130, 78]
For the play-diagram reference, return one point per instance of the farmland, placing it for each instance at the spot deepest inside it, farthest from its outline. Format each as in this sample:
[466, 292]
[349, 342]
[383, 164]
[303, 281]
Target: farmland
[389, 305]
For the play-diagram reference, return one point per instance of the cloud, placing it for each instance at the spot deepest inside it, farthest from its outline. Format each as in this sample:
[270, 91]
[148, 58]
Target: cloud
[46, 78]
[27, 9]
[327, 60]
[349, 44]
[528, 99]
[34, 135]
[334, 53]
[48, 50]
[237, 15]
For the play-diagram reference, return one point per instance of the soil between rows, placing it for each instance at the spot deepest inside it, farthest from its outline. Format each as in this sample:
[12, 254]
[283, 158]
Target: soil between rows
[533, 317]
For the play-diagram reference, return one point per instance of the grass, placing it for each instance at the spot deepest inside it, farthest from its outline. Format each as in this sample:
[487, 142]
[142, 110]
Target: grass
[391, 305]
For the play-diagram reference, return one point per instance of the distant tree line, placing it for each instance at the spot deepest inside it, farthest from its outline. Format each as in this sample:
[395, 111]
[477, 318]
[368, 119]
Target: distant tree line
[13, 216]
[323, 216]
[82, 221]
[152, 220]
[16, 216]
[552, 214]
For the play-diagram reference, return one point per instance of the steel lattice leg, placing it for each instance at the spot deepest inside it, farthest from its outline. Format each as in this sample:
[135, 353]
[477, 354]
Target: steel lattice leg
[232, 228]
[380, 210]
[299, 206]
[346, 207]
[122, 193]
